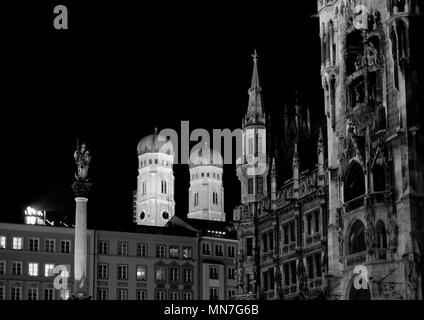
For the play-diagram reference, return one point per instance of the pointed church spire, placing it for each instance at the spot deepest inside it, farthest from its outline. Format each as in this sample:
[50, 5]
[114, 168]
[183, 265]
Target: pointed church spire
[295, 172]
[320, 151]
[255, 112]
[273, 180]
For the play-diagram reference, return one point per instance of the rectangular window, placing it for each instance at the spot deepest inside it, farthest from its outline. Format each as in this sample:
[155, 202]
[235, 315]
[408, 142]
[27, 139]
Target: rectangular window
[187, 275]
[286, 274]
[2, 267]
[249, 246]
[213, 293]
[141, 273]
[160, 251]
[17, 268]
[231, 273]
[173, 274]
[160, 295]
[160, 274]
[66, 246]
[260, 185]
[292, 232]
[102, 294]
[16, 293]
[231, 251]
[17, 243]
[50, 245]
[317, 221]
[219, 252]
[48, 269]
[103, 271]
[141, 295]
[187, 296]
[122, 294]
[250, 146]
[231, 292]
[213, 273]
[310, 266]
[271, 240]
[265, 280]
[33, 269]
[187, 252]
[34, 244]
[173, 252]
[309, 223]
[265, 242]
[206, 249]
[250, 186]
[33, 294]
[318, 264]
[260, 145]
[293, 272]
[103, 247]
[286, 234]
[2, 293]
[173, 295]
[122, 248]
[122, 272]
[142, 249]
[49, 294]
[2, 242]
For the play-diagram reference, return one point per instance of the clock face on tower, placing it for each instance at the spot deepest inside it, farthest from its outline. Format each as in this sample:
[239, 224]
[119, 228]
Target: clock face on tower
[142, 215]
[165, 215]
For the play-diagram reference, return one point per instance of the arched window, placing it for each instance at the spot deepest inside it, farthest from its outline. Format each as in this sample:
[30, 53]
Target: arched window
[402, 43]
[196, 199]
[323, 44]
[143, 187]
[356, 238]
[381, 235]
[393, 39]
[333, 100]
[215, 198]
[354, 185]
[163, 187]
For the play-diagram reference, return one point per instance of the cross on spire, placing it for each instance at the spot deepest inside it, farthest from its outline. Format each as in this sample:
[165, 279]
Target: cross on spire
[255, 56]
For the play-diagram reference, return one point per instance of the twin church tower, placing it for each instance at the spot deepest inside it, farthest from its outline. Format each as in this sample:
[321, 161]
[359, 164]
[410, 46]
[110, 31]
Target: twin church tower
[154, 203]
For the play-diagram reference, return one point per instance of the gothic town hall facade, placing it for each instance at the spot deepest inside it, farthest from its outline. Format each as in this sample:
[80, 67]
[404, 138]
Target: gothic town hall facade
[358, 211]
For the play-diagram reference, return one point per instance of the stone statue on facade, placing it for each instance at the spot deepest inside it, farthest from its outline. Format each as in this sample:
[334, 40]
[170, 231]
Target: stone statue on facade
[82, 159]
[303, 280]
[393, 232]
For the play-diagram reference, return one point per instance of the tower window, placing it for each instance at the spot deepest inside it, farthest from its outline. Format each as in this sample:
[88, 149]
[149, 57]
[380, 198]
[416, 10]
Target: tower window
[354, 183]
[215, 197]
[356, 239]
[250, 186]
[208, 174]
[250, 145]
[163, 186]
[260, 184]
[143, 187]
[196, 199]
[156, 161]
[249, 246]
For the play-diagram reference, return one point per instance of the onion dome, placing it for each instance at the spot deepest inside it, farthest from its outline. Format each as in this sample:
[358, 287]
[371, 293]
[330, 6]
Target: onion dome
[155, 143]
[205, 157]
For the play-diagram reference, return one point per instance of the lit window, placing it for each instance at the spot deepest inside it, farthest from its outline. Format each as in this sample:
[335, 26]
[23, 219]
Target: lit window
[48, 294]
[103, 271]
[2, 242]
[231, 251]
[187, 253]
[17, 243]
[231, 292]
[33, 244]
[173, 295]
[218, 250]
[48, 269]
[33, 269]
[122, 272]
[160, 274]
[141, 295]
[141, 273]
[16, 293]
[206, 249]
[173, 252]
[122, 294]
[50, 245]
[250, 185]
[64, 294]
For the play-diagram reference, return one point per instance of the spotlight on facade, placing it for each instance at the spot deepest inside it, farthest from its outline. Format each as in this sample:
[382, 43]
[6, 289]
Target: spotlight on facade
[36, 217]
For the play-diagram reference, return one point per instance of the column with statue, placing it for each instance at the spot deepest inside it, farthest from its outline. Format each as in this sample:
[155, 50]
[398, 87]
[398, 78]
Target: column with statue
[81, 188]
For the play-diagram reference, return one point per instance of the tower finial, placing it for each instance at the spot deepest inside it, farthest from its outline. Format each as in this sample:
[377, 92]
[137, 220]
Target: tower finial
[255, 56]
[156, 130]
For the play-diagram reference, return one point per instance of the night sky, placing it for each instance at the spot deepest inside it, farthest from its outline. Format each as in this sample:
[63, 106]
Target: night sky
[123, 69]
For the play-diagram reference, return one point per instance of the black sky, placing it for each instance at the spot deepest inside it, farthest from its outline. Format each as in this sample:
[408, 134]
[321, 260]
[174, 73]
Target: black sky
[123, 69]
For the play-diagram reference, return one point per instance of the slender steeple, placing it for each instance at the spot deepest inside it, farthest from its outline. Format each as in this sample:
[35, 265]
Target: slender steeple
[295, 172]
[255, 113]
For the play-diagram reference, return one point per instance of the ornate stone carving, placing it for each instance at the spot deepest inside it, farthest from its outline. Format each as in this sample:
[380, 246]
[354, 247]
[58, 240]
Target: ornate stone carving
[303, 280]
[82, 160]
[393, 232]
